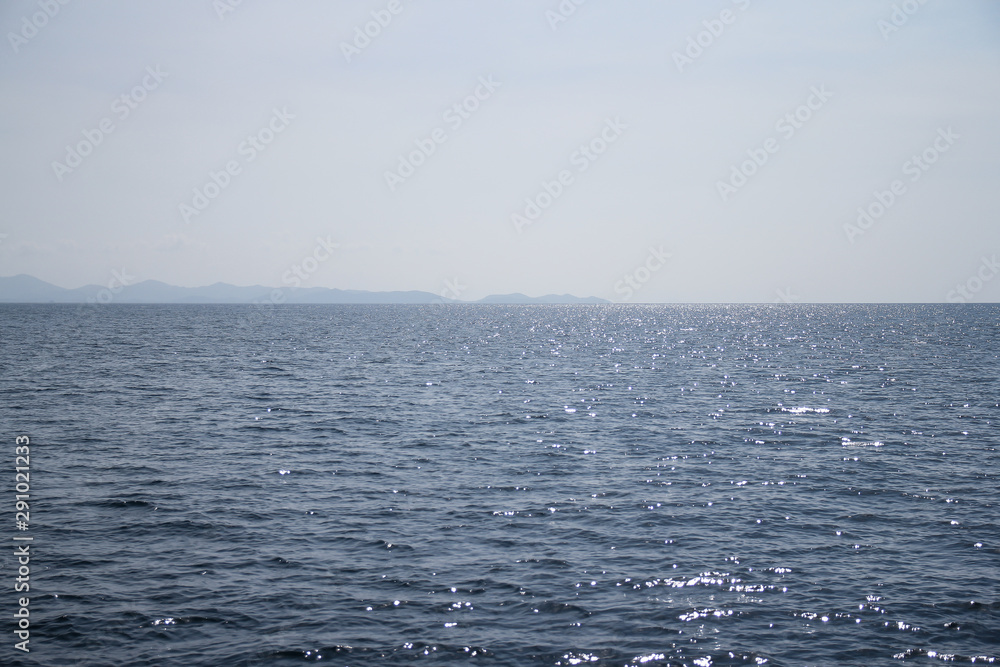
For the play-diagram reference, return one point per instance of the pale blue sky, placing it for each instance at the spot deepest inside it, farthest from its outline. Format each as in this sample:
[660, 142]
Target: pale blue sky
[655, 187]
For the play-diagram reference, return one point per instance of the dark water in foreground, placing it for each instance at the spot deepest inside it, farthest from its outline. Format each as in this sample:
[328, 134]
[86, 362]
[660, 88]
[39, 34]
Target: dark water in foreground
[504, 485]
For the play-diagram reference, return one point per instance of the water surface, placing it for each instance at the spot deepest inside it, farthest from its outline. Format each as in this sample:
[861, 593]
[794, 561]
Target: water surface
[508, 485]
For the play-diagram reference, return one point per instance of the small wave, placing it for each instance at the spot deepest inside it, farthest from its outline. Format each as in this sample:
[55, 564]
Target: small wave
[805, 410]
[120, 502]
[946, 657]
[847, 442]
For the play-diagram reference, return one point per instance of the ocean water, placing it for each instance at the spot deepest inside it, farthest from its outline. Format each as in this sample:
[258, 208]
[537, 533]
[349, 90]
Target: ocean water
[506, 485]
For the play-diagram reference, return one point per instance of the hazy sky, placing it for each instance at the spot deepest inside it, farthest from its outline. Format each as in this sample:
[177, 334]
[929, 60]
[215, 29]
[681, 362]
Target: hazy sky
[716, 150]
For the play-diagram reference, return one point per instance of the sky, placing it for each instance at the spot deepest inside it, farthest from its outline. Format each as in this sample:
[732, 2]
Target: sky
[636, 150]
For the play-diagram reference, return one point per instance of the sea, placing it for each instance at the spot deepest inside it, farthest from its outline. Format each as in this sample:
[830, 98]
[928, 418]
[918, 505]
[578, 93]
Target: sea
[697, 485]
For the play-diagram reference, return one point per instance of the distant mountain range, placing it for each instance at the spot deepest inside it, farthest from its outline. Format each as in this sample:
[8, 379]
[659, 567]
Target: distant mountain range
[28, 289]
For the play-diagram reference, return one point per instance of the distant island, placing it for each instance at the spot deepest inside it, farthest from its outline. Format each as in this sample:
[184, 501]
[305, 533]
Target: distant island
[23, 288]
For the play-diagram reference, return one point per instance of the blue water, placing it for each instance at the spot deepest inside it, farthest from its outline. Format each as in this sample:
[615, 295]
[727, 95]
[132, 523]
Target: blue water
[506, 485]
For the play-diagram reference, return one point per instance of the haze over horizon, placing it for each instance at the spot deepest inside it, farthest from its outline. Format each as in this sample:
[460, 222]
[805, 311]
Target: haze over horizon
[730, 151]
